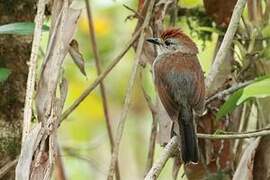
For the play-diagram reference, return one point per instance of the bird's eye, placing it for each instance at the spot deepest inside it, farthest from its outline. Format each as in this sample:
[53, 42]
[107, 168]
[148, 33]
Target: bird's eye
[168, 42]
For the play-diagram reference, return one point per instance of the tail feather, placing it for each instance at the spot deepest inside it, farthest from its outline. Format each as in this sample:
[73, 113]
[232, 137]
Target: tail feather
[188, 140]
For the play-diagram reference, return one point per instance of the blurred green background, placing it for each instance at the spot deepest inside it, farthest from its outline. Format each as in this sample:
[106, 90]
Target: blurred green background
[83, 137]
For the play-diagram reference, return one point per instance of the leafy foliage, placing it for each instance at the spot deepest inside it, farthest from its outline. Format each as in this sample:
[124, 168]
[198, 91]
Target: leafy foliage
[259, 89]
[230, 104]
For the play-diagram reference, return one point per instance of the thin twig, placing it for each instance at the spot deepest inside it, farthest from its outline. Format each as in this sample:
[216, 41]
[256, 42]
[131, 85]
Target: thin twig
[160, 163]
[102, 86]
[225, 45]
[136, 14]
[59, 166]
[27, 116]
[147, 98]
[8, 166]
[91, 162]
[152, 143]
[228, 91]
[153, 135]
[234, 136]
[127, 103]
[91, 87]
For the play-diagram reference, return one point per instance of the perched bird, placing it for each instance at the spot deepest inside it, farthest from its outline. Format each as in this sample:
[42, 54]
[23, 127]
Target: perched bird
[179, 81]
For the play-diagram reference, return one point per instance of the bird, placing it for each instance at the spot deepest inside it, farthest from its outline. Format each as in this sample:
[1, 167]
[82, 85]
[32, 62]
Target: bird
[179, 81]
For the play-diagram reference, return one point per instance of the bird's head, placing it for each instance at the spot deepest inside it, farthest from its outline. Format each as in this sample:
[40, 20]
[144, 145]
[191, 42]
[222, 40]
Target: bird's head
[172, 40]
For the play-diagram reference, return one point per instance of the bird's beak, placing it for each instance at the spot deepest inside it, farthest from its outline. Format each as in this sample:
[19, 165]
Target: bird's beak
[154, 41]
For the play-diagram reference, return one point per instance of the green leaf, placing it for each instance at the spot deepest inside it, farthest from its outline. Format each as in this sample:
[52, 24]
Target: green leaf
[4, 73]
[20, 28]
[266, 31]
[210, 29]
[259, 89]
[230, 104]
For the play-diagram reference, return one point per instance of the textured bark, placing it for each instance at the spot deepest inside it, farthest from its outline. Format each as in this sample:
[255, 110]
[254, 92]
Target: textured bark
[220, 11]
[261, 168]
[14, 53]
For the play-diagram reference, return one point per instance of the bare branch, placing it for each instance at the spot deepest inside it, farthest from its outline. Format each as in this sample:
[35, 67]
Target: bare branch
[127, 103]
[152, 143]
[160, 163]
[91, 87]
[225, 46]
[59, 166]
[102, 86]
[153, 134]
[229, 91]
[234, 136]
[27, 116]
[170, 148]
[5, 169]
[136, 14]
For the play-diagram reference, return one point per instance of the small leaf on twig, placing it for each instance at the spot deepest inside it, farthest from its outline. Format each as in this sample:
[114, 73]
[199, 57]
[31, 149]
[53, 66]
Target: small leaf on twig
[230, 104]
[77, 56]
[20, 28]
[4, 73]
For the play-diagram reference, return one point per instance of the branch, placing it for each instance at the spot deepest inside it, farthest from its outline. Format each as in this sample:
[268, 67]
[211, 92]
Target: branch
[160, 163]
[228, 91]
[59, 166]
[102, 86]
[153, 135]
[27, 116]
[152, 143]
[171, 146]
[91, 87]
[235, 136]
[127, 103]
[225, 46]
[8, 166]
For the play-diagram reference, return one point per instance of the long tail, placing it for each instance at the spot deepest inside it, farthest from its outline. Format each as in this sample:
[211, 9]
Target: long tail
[188, 144]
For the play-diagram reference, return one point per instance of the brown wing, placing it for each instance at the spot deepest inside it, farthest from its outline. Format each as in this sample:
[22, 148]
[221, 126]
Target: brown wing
[165, 97]
[179, 78]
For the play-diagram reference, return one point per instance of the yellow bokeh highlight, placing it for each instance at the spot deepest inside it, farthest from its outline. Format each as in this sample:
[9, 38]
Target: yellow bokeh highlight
[91, 108]
[102, 25]
[191, 3]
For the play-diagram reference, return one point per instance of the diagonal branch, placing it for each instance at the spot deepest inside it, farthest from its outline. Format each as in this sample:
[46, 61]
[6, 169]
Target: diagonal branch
[102, 86]
[59, 166]
[225, 45]
[153, 134]
[127, 103]
[91, 87]
[8, 167]
[160, 163]
[228, 91]
[27, 116]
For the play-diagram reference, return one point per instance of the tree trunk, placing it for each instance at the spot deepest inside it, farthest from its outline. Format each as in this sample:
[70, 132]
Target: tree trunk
[14, 54]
